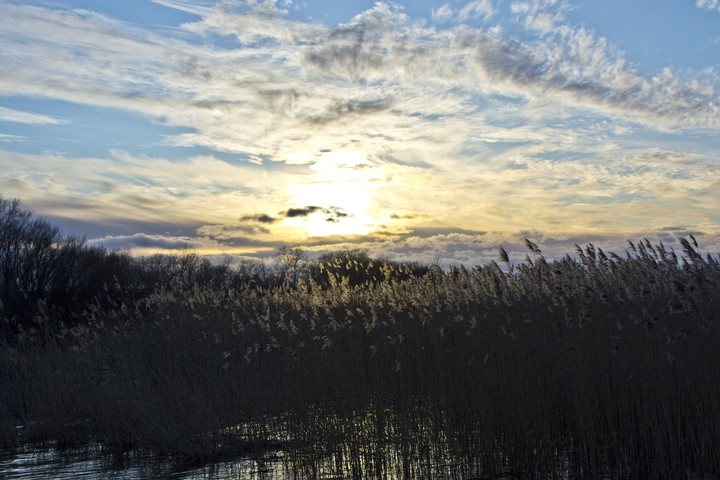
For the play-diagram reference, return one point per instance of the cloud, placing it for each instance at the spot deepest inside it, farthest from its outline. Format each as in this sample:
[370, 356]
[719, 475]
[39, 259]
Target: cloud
[259, 217]
[233, 235]
[145, 242]
[443, 13]
[332, 214]
[580, 68]
[195, 7]
[251, 22]
[708, 4]
[396, 216]
[361, 48]
[5, 137]
[9, 115]
[541, 15]
[476, 9]
[340, 109]
[301, 212]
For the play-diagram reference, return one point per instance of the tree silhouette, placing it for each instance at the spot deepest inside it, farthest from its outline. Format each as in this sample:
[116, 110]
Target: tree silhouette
[291, 263]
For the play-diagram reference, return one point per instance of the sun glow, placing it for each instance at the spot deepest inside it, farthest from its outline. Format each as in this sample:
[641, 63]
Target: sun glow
[342, 188]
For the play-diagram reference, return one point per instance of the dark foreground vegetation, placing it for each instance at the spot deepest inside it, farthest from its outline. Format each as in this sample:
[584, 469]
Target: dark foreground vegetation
[592, 366]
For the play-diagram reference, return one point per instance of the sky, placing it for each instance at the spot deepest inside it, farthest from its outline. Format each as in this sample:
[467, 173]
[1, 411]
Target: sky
[431, 131]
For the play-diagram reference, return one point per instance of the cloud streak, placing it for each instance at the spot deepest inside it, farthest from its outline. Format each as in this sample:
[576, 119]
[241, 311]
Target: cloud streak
[10, 115]
[200, 8]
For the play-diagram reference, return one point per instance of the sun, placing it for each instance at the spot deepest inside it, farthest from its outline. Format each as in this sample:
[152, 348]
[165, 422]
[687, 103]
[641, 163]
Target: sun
[342, 188]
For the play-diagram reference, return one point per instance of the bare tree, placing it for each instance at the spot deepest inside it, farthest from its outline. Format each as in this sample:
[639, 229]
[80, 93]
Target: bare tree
[36, 260]
[291, 263]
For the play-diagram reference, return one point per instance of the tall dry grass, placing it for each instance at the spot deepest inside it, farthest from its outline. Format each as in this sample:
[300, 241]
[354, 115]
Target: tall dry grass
[598, 366]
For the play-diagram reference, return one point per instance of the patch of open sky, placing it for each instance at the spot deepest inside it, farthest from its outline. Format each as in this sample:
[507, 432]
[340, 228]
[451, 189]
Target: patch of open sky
[653, 34]
[691, 142]
[141, 12]
[423, 9]
[702, 144]
[330, 12]
[223, 42]
[86, 130]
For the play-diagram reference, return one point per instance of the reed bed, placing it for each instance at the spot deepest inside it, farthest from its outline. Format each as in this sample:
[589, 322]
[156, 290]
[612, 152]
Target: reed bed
[594, 366]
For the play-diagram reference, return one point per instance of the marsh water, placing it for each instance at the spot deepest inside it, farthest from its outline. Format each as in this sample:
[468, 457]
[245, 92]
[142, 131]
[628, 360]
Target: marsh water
[90, 464]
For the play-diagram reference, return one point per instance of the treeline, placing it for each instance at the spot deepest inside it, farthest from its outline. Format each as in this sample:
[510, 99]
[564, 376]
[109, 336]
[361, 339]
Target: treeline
[45, 273]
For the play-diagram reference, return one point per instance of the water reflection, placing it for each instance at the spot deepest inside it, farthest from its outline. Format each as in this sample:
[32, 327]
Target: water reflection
[366, 445]
[90, 464]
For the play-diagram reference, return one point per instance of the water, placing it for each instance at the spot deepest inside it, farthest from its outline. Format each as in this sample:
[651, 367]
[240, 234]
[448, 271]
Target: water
[92, 463]
[89, 464]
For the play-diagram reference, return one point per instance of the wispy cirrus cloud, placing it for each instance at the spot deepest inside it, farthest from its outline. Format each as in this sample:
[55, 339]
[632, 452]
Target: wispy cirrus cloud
[4, 137]
[195, 7]
[10, 115]
[479, 9]
[476, 9]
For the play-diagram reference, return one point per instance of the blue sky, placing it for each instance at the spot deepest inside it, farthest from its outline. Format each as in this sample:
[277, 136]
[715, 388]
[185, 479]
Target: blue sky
[420, 130]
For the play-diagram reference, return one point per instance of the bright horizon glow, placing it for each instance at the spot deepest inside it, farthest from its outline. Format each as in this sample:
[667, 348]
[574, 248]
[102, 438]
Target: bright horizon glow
[415, 130]
[340, 181]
